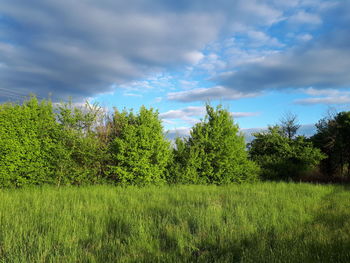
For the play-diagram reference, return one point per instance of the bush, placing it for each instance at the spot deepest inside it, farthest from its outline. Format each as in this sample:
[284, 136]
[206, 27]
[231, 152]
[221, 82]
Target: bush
[43, 145]
[81, 154]
[214, 153]
[29, 137]
[283, 158]
[140, 153]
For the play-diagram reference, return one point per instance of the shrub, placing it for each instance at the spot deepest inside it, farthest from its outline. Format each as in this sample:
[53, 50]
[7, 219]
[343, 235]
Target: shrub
[281, 157]
[140, 152]
[214, 153]
[28, 140]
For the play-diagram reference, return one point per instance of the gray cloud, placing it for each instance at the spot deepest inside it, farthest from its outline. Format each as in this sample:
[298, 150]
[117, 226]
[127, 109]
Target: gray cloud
[204, 94]
[81, 48]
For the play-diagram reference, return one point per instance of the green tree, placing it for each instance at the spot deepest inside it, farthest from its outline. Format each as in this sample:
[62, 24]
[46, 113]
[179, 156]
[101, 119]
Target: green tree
[283, 158]
[333, 138]
[29, 135]
[140, 152]
[214, 153]
[81, 154]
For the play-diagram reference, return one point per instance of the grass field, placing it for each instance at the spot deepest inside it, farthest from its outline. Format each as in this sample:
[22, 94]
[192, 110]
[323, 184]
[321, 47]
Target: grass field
[265, 222]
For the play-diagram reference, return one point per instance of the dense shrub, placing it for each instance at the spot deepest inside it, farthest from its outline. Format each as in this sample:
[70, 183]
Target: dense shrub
[140, 152]
[29, 142]
[82, 153]
[41, 144]
[281, 157]
[214, 153]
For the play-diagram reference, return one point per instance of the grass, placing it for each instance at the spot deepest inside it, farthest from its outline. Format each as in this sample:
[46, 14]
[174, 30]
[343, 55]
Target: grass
[265, 222]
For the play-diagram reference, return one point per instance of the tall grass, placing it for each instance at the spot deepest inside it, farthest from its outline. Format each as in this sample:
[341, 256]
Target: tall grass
[265, 222]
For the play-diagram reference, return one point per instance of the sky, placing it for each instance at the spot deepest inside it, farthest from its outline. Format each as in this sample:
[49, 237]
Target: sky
[260, 59]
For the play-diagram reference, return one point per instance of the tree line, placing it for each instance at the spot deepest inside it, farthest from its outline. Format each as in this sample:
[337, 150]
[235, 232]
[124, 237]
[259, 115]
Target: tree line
[62, 144]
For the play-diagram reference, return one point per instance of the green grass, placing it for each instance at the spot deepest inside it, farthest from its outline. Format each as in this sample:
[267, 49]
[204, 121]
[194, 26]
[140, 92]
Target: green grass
[265, 222]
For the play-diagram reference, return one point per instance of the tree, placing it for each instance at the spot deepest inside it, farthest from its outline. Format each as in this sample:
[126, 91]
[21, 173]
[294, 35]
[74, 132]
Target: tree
[281, 157]
[289, 124]
[215, 152]
[333, 138]
[28, 141]
[82, 154]
[140, 152]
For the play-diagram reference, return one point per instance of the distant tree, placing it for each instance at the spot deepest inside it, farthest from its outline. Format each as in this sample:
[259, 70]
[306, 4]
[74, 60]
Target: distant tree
[333, 138]
[214, 153]
[289, 124]
[280, 157]
[140, 153]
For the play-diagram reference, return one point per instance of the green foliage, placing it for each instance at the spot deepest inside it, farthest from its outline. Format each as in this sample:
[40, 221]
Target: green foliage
[82, 154]
[333, 138]
[214, 153]
[281, 157]
[140, 152]
[28, 138]
[40, 144]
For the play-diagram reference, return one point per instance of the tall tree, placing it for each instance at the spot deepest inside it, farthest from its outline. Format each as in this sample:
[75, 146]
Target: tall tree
[215, 151]
[140, 152]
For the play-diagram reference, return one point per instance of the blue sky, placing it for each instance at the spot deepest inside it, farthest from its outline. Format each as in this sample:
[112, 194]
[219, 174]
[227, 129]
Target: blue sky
[260, 59]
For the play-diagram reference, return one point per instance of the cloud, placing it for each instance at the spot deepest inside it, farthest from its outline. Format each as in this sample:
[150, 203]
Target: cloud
[324, 92]
[132, 95]
[84, 48]
[325, 96]
[193, 114]
[322, 62]
[306, 130]
[305, 37]
[244, 114]
[178, 132]
[325, 100]
[188, 112]
[303, 17]
[214, 93]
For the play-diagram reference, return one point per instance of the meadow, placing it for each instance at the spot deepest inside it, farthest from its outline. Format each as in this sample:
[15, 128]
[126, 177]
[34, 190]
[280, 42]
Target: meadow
[262, 222]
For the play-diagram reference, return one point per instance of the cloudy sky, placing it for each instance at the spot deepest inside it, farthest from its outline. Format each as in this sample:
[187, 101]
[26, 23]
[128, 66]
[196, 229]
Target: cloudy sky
[258, 58]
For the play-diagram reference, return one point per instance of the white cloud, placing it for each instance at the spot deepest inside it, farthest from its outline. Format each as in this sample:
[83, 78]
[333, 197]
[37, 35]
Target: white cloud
[184, 112]
[244, 114]
[324, 96]
[303, 17]
[304, 37]
[259, 38]
[132, 95]
[193, 114]
[178, 132]
[325, 100]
